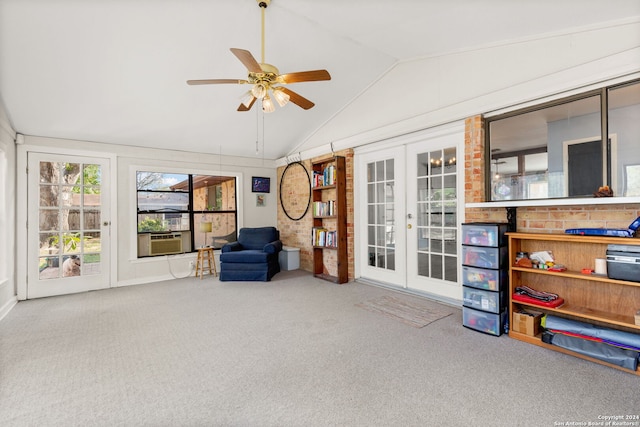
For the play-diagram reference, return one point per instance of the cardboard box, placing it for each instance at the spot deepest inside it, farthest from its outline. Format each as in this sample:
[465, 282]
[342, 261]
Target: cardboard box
[526, 323]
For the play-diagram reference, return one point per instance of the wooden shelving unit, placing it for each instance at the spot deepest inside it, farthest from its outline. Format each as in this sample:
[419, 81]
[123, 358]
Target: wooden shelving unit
[588, 298]
[331, 190]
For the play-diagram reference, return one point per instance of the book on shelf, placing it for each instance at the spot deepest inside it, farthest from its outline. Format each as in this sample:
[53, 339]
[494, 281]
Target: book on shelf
[324, 208]
[321, 236]
[325, 178]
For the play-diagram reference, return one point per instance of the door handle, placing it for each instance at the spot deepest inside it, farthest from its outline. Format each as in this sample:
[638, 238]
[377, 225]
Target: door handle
[409, 226]
[409, 216]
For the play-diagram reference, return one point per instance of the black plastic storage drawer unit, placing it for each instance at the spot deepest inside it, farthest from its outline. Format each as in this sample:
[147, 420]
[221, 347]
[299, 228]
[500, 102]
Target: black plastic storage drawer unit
[484, 234]
[484, 277]
[482, 321]
[477, 256]
[491, 301]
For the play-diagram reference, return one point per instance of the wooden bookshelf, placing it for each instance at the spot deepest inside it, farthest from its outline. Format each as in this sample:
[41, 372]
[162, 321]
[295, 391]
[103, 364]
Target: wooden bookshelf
[588, 298]
[330, 191]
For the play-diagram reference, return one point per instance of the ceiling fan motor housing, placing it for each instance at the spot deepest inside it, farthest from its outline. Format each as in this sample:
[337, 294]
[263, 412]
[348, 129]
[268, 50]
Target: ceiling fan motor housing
[269, 75]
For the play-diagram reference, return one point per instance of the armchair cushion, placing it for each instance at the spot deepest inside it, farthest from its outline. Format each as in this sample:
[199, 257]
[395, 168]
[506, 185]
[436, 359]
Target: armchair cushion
[256, 238]
[273, 247]
[231, 247]
[245, 257]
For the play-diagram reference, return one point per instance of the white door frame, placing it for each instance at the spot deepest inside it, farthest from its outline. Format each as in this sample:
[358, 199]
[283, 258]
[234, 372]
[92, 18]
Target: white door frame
[454, 136]
[22, 191]
[397, 276]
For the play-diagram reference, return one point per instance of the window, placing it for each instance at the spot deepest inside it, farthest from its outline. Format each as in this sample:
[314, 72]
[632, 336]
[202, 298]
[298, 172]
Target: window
[556, 150]
[623, 113]
[202, 207]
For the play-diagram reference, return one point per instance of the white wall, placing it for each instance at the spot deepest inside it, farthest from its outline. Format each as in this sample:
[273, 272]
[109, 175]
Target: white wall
[127, 268]
[7, 215]
[427, 92]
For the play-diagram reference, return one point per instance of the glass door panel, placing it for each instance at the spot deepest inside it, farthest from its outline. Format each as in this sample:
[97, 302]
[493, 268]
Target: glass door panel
[382, 228]
[432, 235]
[68, 242]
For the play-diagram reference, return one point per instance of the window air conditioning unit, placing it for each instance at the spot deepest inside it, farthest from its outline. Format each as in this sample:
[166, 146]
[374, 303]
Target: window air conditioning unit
[159, 244]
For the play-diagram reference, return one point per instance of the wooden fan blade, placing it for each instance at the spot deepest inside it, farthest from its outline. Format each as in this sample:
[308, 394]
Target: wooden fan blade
[243, 107]
[247, 59]
[299, 100]
[216, 81]
[305, 76]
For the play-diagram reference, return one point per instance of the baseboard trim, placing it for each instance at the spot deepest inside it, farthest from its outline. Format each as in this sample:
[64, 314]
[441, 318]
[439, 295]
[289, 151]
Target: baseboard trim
[144, 281]
[5, 309]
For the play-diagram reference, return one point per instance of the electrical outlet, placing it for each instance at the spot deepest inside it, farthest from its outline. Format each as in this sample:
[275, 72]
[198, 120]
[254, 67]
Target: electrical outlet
[191, 264]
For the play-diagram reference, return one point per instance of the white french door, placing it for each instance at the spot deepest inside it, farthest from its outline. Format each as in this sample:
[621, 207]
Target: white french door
[382, 222]
[433, 212]
[411, 207]
[68, 236]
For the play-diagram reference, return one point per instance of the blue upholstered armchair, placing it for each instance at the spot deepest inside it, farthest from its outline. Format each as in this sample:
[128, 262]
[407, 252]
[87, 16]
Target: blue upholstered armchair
[254, 257]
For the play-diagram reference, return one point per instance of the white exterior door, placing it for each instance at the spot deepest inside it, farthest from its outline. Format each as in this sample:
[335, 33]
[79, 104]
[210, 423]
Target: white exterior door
[410, 204]
[382, 222]
[69, 224]
[434, 207]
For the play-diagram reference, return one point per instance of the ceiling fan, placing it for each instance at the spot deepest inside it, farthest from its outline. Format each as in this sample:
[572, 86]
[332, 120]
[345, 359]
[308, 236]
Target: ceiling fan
[266, 79]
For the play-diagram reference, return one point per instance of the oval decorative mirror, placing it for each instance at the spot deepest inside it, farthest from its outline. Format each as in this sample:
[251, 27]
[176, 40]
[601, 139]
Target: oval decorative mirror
[295, 191]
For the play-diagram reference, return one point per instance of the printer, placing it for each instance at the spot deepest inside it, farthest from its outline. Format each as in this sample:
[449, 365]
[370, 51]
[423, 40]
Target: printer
[623, 262]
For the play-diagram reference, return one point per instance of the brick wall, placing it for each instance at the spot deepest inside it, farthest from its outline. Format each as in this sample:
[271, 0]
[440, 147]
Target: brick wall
[547, 219]
[298, 233]
[474, 160]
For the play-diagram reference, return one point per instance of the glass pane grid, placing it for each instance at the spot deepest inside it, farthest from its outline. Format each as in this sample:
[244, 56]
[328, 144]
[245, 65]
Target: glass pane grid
[436, 184]
[69, 215]
[380, 214]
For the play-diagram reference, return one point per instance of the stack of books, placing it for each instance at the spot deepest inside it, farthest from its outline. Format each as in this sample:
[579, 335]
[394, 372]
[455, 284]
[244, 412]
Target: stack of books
[325, 178]
[324, 208]
[320, 236]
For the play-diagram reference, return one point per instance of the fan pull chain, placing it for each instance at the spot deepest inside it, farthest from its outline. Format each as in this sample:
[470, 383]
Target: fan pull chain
[257, 130]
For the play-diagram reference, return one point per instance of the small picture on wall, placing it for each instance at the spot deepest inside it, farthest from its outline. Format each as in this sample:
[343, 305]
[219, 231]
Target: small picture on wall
[260, 184]
[260, 200]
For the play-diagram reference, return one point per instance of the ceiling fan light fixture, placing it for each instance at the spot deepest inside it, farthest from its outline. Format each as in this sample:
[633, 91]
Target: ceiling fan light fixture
[281, 97]
[259, 90]
[267, 104]
[247, 99]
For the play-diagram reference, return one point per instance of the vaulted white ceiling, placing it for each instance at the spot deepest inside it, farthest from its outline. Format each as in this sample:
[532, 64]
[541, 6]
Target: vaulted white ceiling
[115, 71]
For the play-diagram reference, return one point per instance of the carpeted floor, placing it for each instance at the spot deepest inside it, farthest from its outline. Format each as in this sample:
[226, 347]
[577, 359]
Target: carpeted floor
[296, 351]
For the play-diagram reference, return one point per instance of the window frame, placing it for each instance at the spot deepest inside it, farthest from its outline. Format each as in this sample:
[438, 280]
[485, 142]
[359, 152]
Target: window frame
[603, 93]
[489, 156]
[191, 212]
